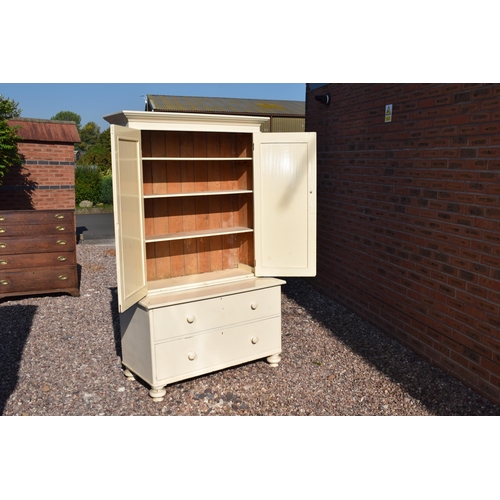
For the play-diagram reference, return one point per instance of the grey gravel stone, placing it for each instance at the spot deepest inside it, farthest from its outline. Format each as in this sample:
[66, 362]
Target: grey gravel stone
[333, 363]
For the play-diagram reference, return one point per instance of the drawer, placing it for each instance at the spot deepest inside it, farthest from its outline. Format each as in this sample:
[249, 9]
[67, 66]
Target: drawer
[215, 350]
[16, 217]
[63, 242]
[20, 230]
[23, 261]
[31, 280]
[201, 315]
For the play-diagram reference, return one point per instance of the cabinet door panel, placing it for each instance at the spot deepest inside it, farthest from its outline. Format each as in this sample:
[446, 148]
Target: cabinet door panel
[285, 204]
[129, 215]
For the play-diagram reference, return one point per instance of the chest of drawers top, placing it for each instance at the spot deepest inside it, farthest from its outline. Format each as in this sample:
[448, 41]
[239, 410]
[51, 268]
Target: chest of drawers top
[34, 217]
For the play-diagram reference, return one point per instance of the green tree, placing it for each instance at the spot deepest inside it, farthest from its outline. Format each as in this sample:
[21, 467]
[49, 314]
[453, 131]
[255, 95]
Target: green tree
[9, 108]
[9, 154]
[69, 116]
[89, 135]
[99, 154]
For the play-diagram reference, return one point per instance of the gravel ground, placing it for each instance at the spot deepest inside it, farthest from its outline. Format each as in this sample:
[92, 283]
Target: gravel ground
[60, 355]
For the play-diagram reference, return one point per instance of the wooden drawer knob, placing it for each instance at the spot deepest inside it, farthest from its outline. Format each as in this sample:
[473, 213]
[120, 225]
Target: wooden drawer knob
[255, 340]
[254, 305]
[191, 356]
[190, 318]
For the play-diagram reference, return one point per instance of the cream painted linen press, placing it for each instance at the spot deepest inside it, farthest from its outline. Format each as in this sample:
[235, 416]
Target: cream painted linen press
[208, 211]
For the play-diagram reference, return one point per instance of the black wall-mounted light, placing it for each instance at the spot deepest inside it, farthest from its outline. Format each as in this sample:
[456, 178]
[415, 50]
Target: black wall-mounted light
[325, 99]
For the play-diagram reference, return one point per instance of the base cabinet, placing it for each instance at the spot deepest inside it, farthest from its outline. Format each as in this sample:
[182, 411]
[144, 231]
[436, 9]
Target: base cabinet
[164, 342]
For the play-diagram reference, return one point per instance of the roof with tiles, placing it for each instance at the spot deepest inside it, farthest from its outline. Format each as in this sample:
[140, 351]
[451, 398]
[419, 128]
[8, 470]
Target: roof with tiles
[225, 105]
[34, 129]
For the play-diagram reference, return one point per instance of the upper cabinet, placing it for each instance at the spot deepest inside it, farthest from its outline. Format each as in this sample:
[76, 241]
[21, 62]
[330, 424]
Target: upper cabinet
[203, 199]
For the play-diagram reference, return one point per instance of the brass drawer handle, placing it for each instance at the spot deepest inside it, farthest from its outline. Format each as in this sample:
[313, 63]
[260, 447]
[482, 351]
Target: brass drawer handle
[59, 216]
[2, 217]
[2, 230]
[60, 228]
[61, 242]
[3, 262]
[61, 258]
[3, 245]
[63, 277]
[4, 282]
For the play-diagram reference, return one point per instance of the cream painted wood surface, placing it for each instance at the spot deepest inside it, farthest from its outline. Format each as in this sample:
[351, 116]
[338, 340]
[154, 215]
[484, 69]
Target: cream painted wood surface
[128, 216]
[217, 349]
[285, 204]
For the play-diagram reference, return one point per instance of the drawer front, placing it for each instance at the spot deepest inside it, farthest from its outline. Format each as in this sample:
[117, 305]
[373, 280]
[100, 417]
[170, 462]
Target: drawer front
[20, 230]
[31, 280]
[17, 217]
[194, 317]
[59, 259]
[56, 243]
[203, 353]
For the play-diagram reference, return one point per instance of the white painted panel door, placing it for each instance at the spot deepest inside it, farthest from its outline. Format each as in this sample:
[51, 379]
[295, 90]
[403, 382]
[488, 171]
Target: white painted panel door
[285, 204]
[128, 215]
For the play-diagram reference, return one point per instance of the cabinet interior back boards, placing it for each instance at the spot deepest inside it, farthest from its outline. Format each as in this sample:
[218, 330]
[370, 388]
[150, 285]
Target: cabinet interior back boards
[208, 212]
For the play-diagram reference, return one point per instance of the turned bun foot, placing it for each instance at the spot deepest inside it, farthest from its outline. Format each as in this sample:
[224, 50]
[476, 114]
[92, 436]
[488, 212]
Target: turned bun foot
[128, 374]
[157, 393]
[274, 360]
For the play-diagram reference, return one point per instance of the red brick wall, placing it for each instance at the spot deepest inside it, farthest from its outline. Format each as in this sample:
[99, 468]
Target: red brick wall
[409, 217]
[46, 181]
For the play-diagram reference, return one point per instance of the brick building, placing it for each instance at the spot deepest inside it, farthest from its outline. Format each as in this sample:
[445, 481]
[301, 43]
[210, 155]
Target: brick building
[409, 216]
[46, 180]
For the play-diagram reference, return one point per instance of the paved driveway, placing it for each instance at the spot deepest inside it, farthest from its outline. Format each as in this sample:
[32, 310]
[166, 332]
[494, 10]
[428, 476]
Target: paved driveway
[95, 229]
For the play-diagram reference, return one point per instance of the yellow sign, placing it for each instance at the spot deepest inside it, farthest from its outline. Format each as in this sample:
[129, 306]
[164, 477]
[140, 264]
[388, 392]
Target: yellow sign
[388, 113]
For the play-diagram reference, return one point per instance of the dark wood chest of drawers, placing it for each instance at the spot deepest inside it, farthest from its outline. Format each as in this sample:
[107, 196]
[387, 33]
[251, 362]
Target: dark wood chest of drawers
[37, 252]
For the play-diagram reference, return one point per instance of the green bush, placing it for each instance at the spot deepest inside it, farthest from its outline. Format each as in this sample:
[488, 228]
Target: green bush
[107, 190]
[87, 184]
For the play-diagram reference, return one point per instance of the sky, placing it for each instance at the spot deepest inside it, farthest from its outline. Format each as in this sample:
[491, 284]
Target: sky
[94, 100]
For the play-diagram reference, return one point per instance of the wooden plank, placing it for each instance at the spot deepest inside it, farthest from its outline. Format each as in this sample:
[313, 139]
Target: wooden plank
[227, 145]
[162, 255]
[176, 248]
[213, 145]
[229, 259]
[180, 236]
[201, 203]
[159, 169]
[200, 194]
[150, 262]
[244, 145]
[195, 158]
[186, 141]
[147, 174]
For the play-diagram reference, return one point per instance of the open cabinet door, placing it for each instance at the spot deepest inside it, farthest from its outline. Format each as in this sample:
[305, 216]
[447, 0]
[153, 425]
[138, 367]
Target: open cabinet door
[285, 204]
[128, 215]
